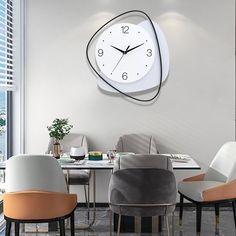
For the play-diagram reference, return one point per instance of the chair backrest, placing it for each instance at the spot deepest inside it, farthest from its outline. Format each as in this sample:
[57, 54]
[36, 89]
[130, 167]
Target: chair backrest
[223, 166]
[143, 161]
[71, 140]
[142, 186]
[34, 172]
[137, 143]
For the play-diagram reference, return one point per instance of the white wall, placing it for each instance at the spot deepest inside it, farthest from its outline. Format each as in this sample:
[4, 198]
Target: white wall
[196, 110]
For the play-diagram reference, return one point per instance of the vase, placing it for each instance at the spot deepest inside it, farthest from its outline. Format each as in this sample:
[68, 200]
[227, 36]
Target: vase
[57, 150]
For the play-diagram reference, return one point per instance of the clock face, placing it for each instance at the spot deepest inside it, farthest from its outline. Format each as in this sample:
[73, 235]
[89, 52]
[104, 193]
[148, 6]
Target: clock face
[125, 52]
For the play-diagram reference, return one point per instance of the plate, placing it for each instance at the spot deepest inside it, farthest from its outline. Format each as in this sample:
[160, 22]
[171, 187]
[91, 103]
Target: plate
[124, 153]
[66, 160]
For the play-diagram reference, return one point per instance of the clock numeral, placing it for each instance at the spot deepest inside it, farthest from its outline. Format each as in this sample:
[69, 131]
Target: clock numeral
[125, 76]
[125, 29]
[100, 52]
[149, 52]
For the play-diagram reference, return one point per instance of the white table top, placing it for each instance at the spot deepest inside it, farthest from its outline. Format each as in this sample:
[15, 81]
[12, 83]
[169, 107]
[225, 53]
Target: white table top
[189, 164]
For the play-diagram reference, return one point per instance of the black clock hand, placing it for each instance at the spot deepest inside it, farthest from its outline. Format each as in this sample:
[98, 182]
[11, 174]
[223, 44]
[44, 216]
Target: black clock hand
[120, 59]
[133, 48]
[118, 49]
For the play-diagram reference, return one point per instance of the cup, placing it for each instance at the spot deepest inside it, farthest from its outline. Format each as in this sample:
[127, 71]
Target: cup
[111, 154]
[77, 153]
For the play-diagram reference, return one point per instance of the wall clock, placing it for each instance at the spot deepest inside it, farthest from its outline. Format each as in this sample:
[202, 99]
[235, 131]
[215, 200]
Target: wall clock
[125, 52]
[130, 57]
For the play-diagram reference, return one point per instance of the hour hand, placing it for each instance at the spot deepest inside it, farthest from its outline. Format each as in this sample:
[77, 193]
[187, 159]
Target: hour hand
[120, 50]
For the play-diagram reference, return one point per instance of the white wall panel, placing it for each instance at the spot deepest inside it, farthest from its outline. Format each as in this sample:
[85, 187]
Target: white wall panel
[195, 111]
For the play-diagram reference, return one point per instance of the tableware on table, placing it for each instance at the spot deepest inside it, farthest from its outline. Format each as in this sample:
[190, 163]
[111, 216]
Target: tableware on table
[66, 160]
[77, 153]
[111, 154]
[120, 154]
[179, 157]
[95, 156]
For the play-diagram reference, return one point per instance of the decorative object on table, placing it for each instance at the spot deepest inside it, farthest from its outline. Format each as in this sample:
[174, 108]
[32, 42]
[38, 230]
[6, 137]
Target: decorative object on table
[111, 154]
[130, 57]
[77, 153]
[58, 130]
[95, 156]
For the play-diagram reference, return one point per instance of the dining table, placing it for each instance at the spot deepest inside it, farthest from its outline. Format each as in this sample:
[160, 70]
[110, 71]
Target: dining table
[179, 162]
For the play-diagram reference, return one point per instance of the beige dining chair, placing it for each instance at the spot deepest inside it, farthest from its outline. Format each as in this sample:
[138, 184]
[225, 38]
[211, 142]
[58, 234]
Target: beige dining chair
[216, 186]
[76, 177]
[36, 192]
[137, 143]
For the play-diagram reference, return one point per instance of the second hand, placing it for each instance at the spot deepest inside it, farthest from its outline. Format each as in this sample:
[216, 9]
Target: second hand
[120, 59]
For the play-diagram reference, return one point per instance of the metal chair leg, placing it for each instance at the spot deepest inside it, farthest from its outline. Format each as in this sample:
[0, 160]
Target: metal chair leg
[181, 206]
[160, 224]
[119, 223]
[110, 223]
[217, 217]
[88, 203]
[85, 194]
[199, 218]
[167, 225]
[173, 223]
[234, 211]
[87, 199]
[137, 224]
[62, 227]
[8, 228]
[72, 224]
[17, 228]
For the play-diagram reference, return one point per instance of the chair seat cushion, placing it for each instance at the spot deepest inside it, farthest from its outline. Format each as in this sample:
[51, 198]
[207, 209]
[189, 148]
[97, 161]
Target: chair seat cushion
[194, 189]
[38, 205]
[79, 177]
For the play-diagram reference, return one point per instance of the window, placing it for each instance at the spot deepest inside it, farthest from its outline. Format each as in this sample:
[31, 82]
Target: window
[6, 75]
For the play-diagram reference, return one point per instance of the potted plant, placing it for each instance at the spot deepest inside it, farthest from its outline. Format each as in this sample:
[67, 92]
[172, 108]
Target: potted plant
[58, 130]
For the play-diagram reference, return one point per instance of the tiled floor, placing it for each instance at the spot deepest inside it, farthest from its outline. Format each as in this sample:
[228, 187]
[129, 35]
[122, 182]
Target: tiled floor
[101, 227]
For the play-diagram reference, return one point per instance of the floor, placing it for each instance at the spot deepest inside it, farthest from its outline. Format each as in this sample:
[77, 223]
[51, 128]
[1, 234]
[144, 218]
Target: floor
[101, 227]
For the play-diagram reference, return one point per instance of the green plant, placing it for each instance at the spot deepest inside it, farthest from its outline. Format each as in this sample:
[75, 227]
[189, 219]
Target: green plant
[59, 129]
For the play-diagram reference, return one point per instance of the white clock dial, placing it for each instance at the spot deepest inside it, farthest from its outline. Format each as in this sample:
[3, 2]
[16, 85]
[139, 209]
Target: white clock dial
[125, 52]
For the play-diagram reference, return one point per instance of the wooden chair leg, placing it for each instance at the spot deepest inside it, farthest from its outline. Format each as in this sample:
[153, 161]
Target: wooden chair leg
[199, 218]
[234, 211]
[8, 228]
[72, 224]
[181, 206]
[17, 229]
[62, 227]
[217, 217]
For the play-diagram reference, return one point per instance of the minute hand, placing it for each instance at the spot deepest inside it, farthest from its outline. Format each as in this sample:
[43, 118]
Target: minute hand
[134, 47]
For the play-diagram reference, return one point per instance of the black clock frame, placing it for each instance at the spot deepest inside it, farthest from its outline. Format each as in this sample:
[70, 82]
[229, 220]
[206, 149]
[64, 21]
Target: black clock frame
[158, 47]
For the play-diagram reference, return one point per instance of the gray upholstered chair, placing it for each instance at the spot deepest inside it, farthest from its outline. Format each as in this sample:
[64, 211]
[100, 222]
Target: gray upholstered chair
[142, 185]
[217, 185]
[137, 143]
[76, 177]
[36, 192]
